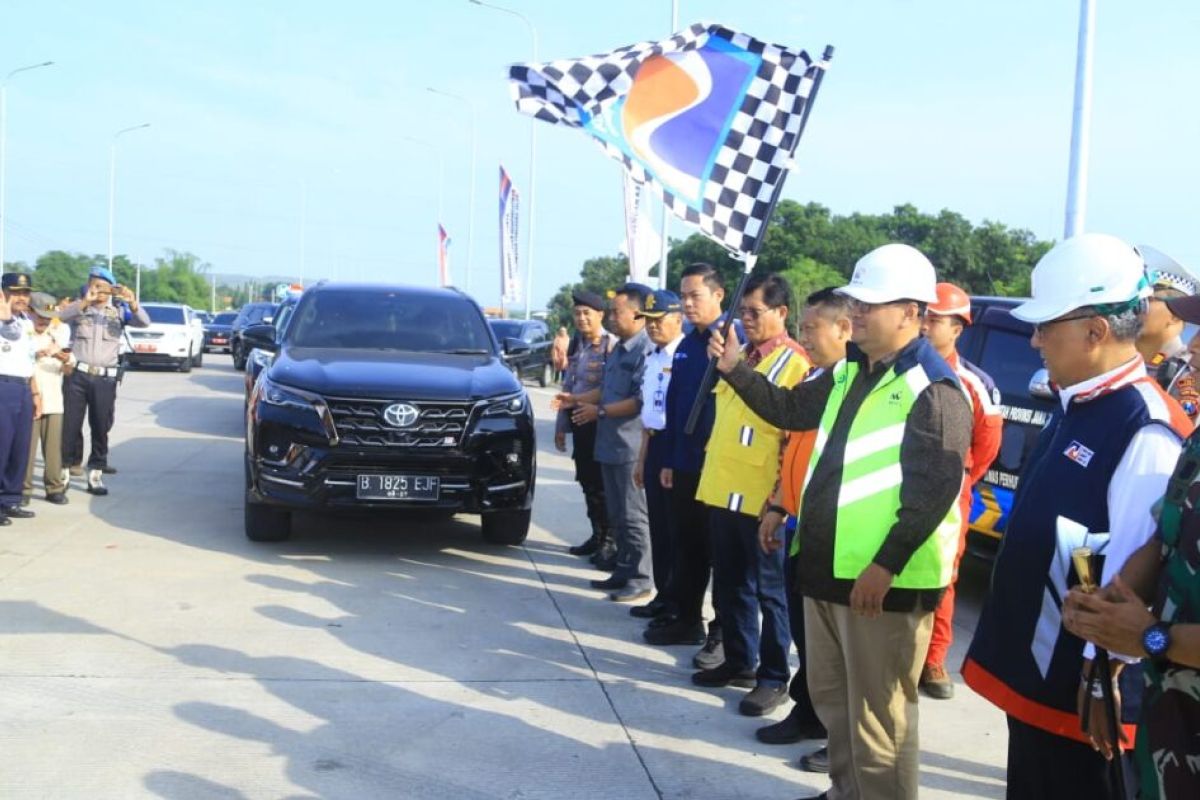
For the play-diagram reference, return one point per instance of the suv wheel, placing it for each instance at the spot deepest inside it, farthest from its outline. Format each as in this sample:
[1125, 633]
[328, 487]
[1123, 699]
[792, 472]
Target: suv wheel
[267, 524]
[547, 376]
[198, 361]
[239, 361]
[506, 527]
[186, 364]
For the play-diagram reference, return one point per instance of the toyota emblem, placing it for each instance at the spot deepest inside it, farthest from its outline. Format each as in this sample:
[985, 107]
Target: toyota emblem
[400, 415]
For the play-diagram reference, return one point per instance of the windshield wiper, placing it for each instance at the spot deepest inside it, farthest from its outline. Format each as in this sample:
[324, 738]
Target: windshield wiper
[467, 351]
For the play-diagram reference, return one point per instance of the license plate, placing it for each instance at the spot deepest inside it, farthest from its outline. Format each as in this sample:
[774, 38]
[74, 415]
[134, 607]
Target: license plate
[398, 487]
[145, 348]
[219, 340]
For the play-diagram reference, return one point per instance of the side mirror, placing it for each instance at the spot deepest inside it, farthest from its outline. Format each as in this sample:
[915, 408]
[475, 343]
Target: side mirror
[261, 336]
[1039, 385]
[268, 319]
[515, 347]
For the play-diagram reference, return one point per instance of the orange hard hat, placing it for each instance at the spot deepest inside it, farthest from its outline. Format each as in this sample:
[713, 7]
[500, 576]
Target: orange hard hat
[951, 302]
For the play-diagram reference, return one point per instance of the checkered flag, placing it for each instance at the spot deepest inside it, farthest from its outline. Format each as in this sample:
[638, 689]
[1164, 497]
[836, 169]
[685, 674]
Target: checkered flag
[710, 117]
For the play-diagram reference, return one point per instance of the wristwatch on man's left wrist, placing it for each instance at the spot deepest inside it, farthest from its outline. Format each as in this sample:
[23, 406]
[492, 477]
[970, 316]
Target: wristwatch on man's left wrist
[1157, 639]
[600, 412]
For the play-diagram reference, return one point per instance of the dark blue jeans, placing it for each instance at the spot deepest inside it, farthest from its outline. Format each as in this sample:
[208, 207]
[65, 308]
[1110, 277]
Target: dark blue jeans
[750, 582]
[16, 428]
[662, 521]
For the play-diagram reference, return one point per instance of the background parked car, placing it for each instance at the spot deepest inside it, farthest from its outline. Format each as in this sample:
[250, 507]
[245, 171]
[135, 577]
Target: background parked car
[250, 314]
[534, 362]
[262, 341]
[218, 332]
[175, 337]
[999, 344]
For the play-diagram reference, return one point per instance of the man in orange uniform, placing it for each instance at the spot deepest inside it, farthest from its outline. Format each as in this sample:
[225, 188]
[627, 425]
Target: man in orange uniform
[944, 323]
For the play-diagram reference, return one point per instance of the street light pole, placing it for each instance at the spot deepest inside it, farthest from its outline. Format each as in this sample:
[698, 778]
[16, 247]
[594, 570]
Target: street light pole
[437, 151]
[532, 155]
[4, 146]
[112, 196]
[471, 193]
[1081, 123]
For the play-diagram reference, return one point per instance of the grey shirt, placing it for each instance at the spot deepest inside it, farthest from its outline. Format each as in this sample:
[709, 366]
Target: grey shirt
[584, 372]
[619, 439]
[96, 331]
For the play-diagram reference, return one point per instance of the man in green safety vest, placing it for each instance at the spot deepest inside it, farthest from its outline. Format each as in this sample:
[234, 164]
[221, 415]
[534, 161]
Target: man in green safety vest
[879, 522]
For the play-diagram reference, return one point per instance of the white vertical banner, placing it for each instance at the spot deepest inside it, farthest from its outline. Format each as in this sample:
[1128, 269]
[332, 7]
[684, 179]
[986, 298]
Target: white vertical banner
[510, 276]
[642, 242]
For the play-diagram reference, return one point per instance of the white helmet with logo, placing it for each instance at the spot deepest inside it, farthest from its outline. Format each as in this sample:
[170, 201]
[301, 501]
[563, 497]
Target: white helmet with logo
[1086, 270]
[892, 272]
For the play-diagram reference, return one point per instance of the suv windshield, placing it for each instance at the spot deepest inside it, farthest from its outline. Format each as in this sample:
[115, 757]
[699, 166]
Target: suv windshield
[383, 320]
[225, 318]
[506, 329]
[170, 315]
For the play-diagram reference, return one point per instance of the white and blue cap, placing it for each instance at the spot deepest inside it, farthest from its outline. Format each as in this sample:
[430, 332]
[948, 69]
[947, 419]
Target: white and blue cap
[1165, 272]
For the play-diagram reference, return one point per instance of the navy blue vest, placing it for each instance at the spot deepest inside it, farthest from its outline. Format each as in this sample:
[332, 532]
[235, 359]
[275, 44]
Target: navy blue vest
[1030, 664]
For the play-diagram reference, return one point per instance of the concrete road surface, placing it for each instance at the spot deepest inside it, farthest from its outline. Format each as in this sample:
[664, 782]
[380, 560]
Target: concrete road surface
[147, 649]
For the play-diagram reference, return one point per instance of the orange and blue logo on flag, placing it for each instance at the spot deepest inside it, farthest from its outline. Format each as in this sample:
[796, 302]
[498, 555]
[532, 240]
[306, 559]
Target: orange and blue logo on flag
[678, 113]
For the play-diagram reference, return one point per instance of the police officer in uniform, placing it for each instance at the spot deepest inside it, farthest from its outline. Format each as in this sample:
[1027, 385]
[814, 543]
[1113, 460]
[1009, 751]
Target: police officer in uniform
[584, 373]
[1160, 342]
[96, 328]
[19, 399]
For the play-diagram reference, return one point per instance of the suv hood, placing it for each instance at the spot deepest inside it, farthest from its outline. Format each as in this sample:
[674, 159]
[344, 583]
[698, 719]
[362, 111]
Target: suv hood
[386, 374]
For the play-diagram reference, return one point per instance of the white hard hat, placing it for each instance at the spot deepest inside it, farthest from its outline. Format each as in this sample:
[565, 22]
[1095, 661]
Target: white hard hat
[1164, 272]
[892, 272]
[1086, 270]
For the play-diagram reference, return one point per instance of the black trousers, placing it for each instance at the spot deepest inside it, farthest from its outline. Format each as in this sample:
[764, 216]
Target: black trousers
[16, 428]
[1043, 766]
[798, 688]
[662, 521]
[94, 396]
[587, 473]
[693, 550]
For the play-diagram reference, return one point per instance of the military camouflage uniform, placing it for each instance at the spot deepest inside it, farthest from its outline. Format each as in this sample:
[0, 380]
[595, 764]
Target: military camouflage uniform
[1170, 368]
[1167, 749]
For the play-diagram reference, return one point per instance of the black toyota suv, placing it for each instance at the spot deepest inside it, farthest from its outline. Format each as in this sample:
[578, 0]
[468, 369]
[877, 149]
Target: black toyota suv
[386, 397]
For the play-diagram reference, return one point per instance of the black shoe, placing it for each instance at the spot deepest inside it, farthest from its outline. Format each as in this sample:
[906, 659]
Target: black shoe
[604, 550]
[816, 761]
[654, 608]
[609, 584]
[606, 564]
[59, 499]
[587, 548]
[4, 521]
[630, 594]
[762, 700]
[109, 470]
[662, 621]
[821, 796]
[94, 483]
[25, 500]
[16, 512]
[794, 728]
[725, 675]
[676, 633]
[712, 654]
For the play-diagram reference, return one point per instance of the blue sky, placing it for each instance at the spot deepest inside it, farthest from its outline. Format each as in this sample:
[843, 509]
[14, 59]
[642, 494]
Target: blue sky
[277, 145]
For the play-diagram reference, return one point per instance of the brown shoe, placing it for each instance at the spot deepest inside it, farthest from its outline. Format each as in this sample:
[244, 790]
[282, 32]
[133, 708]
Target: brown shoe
[935, 682]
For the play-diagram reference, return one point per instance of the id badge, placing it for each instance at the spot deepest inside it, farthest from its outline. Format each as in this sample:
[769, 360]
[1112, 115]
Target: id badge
[660, 400]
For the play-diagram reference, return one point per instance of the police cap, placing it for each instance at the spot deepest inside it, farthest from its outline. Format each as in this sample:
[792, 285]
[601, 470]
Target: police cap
[582, 297]
[43, 305]
[16, 282]
[104, 274]
[661, 303]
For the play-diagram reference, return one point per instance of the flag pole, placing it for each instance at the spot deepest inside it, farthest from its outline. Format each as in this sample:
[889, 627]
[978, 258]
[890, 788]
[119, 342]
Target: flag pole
[751, 259]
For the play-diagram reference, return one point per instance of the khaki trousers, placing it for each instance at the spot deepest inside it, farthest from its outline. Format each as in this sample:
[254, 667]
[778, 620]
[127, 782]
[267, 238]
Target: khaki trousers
[862, 675]
[48, 432]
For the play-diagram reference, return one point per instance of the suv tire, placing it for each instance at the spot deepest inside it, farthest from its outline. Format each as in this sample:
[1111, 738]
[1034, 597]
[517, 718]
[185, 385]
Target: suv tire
[267, 524]
[547, 376]
[239, 361]
[186, 364]
[506, 527]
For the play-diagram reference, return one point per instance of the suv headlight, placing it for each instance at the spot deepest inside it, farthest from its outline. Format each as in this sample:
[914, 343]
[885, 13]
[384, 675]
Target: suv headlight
[260, 359]
[274, 394]
[510, 405]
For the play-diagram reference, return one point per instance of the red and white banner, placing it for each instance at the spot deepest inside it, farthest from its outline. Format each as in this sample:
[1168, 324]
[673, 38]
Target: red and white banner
[443, 256]
[510, 279]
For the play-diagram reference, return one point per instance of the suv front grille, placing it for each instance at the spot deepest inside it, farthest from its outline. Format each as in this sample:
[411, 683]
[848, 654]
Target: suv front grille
[360, 423]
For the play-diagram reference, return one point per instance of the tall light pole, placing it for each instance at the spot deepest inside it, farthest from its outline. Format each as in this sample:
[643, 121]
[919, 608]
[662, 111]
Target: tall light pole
[533, 123]
[666, 214]
[112, 197]
[4, 145]
[471, 194]
[437, 151]
[1081, 123]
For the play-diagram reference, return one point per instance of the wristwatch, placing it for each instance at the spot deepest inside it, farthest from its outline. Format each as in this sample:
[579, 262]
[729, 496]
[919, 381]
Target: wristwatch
[1157, 639]
[600, 412]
